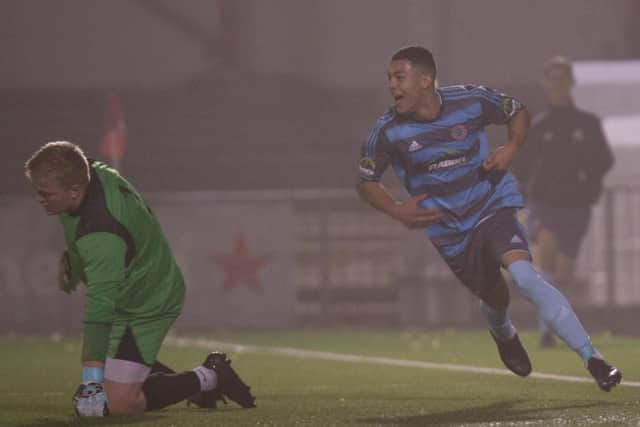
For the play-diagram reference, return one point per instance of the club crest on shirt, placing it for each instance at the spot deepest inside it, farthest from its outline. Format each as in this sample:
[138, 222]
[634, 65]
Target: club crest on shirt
[459, 132]
[367, 166]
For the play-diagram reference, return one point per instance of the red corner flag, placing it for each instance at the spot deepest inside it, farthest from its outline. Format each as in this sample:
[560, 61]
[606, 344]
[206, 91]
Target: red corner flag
[114, 140]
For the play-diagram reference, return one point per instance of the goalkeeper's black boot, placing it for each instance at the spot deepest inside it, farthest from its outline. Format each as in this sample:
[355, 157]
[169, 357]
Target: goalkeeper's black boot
[229, 383]
[208, 399]
[513, 355]
[606, 376]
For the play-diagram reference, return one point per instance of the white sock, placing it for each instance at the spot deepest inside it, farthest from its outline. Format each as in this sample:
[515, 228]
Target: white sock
[208, 378]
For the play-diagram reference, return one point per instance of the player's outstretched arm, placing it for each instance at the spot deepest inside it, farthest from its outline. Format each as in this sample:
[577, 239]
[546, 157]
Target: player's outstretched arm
[408, 212]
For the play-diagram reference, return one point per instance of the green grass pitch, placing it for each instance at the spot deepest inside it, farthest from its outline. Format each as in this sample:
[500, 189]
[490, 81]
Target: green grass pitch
[38, 375]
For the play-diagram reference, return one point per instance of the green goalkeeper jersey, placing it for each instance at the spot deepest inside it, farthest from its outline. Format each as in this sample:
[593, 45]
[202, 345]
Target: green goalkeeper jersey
[117, 248]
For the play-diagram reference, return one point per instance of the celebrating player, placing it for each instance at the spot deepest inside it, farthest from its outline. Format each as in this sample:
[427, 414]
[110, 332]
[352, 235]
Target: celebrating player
[465, 199]
[134, 289]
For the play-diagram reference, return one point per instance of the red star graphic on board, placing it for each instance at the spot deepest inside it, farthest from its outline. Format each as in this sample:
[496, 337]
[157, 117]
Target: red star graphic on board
[240, 267]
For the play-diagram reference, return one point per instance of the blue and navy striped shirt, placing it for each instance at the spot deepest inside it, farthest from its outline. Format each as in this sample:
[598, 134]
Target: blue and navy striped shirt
[443, 158]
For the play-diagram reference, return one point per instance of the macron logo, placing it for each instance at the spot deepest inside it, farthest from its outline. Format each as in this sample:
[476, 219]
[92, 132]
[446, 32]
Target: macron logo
[516, 239]
[414, 146]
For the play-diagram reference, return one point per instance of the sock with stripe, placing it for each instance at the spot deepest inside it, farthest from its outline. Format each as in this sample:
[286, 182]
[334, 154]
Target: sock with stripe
[553, 308]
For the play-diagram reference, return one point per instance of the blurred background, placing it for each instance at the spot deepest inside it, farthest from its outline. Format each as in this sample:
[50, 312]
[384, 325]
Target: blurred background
[241, 122]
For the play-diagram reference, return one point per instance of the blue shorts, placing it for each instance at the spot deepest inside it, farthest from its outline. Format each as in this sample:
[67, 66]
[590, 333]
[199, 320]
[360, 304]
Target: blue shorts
[478, 266]
[569, 225]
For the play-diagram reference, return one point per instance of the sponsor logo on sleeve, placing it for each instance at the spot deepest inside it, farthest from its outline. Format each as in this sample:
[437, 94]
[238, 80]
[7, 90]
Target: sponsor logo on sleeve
[367, 167]
[510, 106]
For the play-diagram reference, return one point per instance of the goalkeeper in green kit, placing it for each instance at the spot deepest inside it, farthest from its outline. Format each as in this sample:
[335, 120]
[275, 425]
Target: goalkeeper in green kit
[134, 290]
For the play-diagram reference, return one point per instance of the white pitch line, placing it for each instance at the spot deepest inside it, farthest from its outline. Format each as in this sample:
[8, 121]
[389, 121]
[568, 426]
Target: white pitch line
[344, 357]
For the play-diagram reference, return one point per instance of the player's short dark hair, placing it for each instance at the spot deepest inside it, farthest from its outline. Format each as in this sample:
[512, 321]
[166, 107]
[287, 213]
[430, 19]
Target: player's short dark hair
[418, 56]
[61, 159]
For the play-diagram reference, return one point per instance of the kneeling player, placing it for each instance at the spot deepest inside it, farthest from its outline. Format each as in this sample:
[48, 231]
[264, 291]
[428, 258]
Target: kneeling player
[134, 289]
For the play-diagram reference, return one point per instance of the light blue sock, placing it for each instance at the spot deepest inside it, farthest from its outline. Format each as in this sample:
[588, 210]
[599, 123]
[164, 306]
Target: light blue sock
[542, 326]
[499, 321]
[553, 308]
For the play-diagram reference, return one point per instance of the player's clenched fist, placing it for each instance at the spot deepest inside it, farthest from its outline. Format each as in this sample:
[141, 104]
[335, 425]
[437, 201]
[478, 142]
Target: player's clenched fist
[90, 400]
[412, 215]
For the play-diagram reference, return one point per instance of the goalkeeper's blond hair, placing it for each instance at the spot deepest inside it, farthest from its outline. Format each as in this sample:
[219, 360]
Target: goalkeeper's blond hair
[61, 159]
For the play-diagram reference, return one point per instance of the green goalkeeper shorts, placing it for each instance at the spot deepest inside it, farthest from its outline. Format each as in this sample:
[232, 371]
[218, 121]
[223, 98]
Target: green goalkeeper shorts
[138, 340]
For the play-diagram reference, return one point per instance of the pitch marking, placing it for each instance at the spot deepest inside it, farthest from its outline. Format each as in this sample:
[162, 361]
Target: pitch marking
[354, 358]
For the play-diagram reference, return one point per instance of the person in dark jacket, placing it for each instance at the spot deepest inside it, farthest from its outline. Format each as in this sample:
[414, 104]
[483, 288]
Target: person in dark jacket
[562, 170]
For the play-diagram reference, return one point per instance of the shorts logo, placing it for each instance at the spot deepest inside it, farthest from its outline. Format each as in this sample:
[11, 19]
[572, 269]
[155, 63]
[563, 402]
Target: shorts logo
[367, 166]
[459, 132]
[414, 146]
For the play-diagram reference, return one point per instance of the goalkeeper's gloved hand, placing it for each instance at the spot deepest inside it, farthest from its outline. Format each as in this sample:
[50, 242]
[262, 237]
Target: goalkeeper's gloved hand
[90, 400]
[65, 281]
